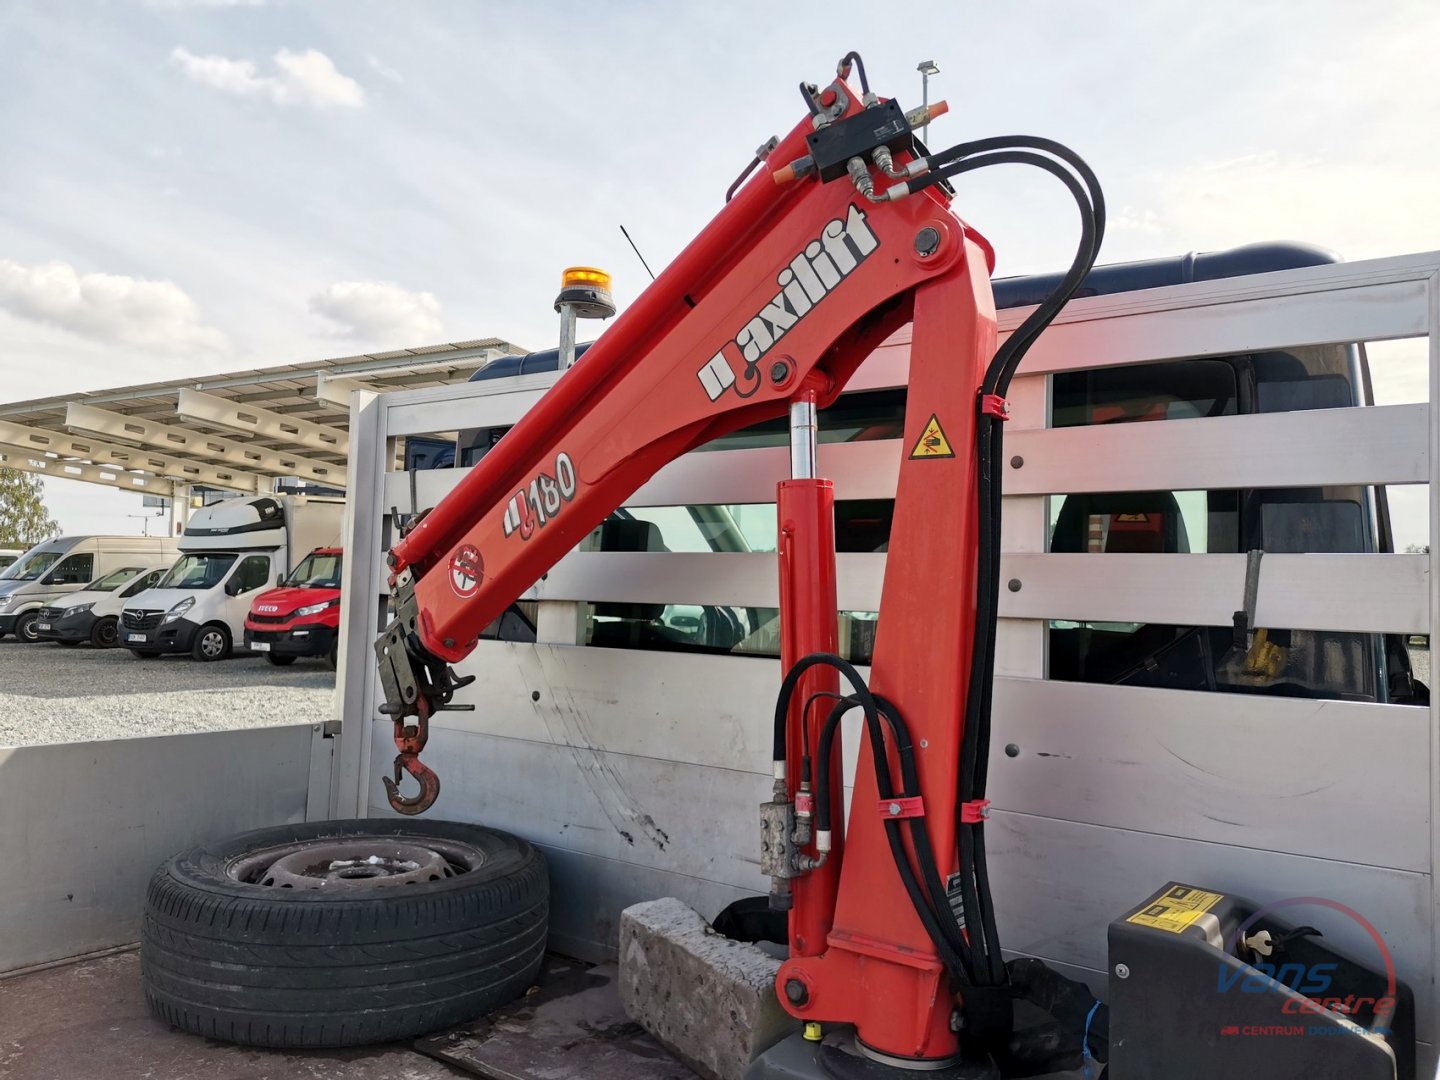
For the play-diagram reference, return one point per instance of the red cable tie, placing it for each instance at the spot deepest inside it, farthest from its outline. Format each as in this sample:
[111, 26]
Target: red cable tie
[995, 405]
[974, 812]
[895, 809]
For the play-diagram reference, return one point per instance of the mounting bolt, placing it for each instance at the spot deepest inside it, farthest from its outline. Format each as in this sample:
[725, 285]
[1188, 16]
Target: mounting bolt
[894, 808]
[1014, 584]
[1012, 750]
[1016, 461]
[796, 992]
[534, 695]
[390, 559]
[1122, 971]
[779, 371]
[957, 1021]
[449, 642]
[927, 241]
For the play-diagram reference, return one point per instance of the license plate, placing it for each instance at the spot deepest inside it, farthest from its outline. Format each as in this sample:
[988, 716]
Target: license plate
[261, 646]
[42, 626]
[134, 637]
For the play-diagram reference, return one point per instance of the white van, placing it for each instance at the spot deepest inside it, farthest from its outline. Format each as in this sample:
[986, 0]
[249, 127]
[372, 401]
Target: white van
[228, 551]
[55, 568]
[8, 556]
[93, 614]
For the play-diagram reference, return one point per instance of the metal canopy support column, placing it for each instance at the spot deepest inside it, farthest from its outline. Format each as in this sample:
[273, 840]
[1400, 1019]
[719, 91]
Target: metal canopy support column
[179, 509]
[143, 432]
[251, 420]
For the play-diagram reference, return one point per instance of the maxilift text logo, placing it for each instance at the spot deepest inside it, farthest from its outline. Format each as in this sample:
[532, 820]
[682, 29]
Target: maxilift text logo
[1317, 1004]
[810, 277]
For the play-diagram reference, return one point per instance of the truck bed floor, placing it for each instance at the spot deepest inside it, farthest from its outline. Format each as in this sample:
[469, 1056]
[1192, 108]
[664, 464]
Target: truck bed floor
[89, 1019]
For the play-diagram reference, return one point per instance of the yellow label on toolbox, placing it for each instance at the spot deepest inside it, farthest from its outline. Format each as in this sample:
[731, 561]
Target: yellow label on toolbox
[1177, 909]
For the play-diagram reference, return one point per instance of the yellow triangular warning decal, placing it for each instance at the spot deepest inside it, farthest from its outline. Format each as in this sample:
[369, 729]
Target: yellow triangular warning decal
[933, 443]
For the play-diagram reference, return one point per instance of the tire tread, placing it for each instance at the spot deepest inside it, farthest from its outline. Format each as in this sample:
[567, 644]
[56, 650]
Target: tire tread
[262, 967]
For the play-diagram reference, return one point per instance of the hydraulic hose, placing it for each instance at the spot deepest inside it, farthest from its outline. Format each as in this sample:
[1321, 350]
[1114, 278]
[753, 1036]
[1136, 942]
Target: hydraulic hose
[973, 766]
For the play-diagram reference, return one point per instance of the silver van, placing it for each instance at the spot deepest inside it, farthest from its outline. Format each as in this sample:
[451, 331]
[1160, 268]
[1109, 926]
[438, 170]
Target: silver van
[53, 568]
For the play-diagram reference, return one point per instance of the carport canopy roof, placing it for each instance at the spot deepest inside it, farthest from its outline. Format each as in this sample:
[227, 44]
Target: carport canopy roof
[237, 430]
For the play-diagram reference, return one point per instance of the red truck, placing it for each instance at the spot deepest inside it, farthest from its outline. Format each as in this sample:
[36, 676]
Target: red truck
[302, 616]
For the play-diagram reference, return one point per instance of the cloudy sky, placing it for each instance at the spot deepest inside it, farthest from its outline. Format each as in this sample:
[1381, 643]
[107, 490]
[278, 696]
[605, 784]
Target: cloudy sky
[189, 186]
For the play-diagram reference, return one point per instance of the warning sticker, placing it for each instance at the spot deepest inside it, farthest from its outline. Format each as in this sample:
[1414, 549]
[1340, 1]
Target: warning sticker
[1180, 907]
[933, 443]
[1132, 519]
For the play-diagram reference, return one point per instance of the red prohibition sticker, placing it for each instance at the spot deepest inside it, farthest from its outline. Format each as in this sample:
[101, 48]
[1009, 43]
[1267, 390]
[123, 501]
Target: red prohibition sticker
[467, 571]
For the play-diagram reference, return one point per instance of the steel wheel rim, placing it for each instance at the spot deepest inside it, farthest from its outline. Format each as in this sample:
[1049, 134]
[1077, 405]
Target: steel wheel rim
[108, 634]
[28, 633]
[355, 863]
[212, 644]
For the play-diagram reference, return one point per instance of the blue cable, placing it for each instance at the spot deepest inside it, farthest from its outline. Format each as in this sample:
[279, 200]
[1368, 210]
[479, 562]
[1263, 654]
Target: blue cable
[1085, 1042]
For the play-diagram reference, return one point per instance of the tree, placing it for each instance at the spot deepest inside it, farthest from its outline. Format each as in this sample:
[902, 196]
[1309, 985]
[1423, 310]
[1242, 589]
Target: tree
[24, 521]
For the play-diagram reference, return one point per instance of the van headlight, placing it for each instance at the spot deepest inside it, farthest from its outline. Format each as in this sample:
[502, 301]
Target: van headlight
[78, 609]
[315, 609]
[5, 602]
[179, 609]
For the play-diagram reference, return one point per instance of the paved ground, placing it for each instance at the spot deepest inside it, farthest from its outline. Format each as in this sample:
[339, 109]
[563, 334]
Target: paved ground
[52, 694]
[89, 1020]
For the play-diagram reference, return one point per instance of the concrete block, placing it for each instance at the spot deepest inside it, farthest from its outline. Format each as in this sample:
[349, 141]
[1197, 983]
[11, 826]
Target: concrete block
[709, 1000]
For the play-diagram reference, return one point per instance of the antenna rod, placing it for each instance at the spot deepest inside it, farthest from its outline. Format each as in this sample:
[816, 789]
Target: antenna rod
[638, 255]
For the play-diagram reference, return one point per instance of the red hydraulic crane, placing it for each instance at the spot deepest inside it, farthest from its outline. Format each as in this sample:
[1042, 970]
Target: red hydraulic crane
[846, 235]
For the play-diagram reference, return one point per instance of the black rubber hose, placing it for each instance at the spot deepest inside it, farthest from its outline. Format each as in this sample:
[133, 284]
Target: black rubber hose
[973, 766]
[792, 679]
[935, 915]
[822, 761]
[920, 835]
[810, 102]
[846, 60]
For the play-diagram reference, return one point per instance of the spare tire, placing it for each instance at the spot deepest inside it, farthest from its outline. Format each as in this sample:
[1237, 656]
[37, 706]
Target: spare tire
[340, 933]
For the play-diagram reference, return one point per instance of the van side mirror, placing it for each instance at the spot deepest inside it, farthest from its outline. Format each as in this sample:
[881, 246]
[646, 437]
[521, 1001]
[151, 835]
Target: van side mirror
[232, 587]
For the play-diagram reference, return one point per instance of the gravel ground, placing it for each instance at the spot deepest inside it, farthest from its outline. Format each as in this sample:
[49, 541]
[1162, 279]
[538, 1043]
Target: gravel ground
[52, 694]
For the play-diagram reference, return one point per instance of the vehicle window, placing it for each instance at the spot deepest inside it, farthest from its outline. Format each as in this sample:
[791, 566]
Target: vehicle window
[316, 572]
[860, 525]
[31, 568]
[111, 582]
[252, 573]
[735, 631]
[75, 570]
[141, 584]
[861, 416]
[199, 570]
[1272, 660]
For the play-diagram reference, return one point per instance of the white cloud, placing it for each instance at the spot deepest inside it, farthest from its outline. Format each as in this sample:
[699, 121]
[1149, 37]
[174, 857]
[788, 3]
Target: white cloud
[381, 312]
[301, 78]
[107, 307]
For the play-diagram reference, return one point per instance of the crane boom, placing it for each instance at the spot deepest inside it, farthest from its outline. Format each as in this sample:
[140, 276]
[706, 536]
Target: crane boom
[771, 309]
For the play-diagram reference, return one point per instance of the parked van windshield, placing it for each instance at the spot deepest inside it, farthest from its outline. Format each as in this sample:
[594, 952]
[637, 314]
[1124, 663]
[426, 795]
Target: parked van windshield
[200, 570]
[111, 582]
[316, 572]
[33, 568]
